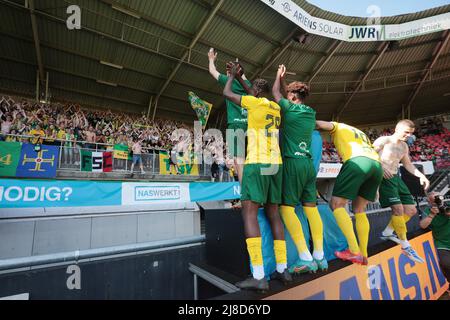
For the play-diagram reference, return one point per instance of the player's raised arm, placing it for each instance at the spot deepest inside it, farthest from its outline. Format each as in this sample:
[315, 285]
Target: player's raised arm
[227, 92]
[276, 89]
[241, 77]
[324, 125]
[212, 57]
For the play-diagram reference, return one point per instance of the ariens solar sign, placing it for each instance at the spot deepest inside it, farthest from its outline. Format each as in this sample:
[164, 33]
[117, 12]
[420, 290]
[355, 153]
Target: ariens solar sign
[339, 31]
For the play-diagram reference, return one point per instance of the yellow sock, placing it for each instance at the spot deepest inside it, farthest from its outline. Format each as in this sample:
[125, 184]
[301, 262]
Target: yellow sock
[405, 217]
[399, 224]
[345, 224]
[279, 247]
[254, 247]
[315, 223]
[363, 229]
[294, 226]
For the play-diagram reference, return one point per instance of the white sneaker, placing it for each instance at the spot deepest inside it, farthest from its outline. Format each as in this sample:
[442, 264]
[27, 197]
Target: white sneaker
[391, 237]
[412, 254]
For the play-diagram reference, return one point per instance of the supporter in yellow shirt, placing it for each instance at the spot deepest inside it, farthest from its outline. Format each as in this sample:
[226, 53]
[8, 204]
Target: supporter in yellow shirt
[38, 133]
[61, 135]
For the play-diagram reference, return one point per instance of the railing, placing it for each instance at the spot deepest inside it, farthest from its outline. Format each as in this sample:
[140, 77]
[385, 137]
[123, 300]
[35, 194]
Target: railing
[437, 180]
[69, 156]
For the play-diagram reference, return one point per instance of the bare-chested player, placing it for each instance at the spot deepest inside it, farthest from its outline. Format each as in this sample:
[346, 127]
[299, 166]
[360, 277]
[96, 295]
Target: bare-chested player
[393, 191]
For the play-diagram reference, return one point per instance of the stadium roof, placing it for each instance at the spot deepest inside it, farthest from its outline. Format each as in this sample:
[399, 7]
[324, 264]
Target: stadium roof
[129, 53]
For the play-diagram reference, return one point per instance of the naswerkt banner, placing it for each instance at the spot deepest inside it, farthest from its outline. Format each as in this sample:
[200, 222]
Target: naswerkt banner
[15, 193]
[370, 32]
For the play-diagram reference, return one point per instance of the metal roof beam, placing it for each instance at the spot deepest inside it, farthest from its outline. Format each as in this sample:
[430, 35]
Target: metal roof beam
[192, 44]
[78, 91]
[287, 42]
[436, 54]
[106, 36]
[90, 57]
[91, 94]
[394, 50]
[36, 40]
[114, 99]
[238, 23]
[70, 73]
[185, 34]
[329, 54]
[384, 46]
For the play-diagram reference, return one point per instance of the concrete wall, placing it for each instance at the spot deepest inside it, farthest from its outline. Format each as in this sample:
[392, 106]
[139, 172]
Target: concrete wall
[93, 228]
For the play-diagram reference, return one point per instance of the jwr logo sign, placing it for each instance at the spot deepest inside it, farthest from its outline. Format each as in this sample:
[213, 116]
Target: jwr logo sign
[366, 33]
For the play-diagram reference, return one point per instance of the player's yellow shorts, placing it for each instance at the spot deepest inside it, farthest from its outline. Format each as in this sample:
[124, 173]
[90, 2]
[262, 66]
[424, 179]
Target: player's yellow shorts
[359, 176]
[262, 183]
[299, 181]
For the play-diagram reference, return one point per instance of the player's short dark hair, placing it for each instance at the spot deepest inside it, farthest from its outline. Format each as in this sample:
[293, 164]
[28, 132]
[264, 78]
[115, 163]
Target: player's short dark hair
[262, 85]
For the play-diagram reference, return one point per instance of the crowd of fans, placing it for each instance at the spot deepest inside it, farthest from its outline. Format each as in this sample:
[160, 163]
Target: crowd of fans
[71, 126]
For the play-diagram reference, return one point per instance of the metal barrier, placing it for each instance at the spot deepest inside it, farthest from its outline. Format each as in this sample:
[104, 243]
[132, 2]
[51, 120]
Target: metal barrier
[69, 155]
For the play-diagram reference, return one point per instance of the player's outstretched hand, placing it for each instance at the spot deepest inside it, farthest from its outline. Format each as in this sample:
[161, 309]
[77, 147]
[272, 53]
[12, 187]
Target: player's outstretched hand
[281, 71]
[229, 65]
[212, 55]
[234, 70]
[425, 183]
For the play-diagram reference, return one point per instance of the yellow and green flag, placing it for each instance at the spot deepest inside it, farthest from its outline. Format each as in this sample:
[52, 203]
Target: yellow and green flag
[202, 108]
[185, 164]
[120, 151]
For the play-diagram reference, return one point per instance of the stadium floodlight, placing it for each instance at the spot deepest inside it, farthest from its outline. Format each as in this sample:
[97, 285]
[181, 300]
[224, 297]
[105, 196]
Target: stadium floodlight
[125, 11]
[111, 64]
[107, 83]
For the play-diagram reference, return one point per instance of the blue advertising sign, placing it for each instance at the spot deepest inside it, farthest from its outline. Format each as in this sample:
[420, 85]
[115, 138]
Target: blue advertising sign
[58, 193]
[207, 191]
[41, 164]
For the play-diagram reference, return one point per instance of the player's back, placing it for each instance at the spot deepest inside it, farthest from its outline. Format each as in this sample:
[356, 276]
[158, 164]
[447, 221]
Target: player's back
[264, 121]
[299, 121]
[351, 142]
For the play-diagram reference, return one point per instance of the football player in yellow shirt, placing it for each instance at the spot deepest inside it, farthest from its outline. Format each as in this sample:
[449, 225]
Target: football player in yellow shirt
[358, 180]
[262, 179]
